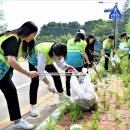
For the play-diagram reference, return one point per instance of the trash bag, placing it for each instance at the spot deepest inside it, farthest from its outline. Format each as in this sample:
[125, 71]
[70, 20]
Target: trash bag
[83, 89]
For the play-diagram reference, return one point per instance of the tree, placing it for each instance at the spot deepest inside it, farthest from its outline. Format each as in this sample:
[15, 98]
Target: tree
[101, 31]
[89, 26]
[128, 27]
[2, 25]
[125, 16]
[59, 29]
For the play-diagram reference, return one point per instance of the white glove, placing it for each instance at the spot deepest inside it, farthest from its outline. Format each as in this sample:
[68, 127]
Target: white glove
[106, 56]
[50, 88]
[71, 68]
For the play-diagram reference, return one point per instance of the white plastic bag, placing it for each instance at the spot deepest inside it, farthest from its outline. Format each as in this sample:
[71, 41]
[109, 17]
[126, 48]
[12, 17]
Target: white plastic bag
[84, 91]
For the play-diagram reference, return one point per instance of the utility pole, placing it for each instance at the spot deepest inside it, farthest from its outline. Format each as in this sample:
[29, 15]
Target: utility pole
[116, 31]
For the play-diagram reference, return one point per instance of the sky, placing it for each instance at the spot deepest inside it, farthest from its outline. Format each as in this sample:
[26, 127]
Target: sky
[41, 12]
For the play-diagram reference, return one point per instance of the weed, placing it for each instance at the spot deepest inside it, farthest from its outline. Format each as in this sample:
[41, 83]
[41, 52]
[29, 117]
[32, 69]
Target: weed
[50, 124]
[118, 102]
[96, 115]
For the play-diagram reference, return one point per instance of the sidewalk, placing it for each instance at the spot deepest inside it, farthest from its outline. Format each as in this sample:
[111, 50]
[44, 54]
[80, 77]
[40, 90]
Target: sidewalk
[44, 109]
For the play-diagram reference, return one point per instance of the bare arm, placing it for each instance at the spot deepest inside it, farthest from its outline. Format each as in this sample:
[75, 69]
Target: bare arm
[104, 52]
[113, 51]
[46, 81]
[86, 58]
[104, 46]
[14, 64]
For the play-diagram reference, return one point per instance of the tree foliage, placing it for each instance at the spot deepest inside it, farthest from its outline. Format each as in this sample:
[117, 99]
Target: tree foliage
[128, 27]
[2, 25]
[57, 32]
[59, 29]
[125, 17]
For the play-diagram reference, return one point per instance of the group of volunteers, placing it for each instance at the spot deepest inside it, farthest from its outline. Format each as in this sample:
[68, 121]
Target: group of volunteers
[21, 42]
[108, 47]
[69, 57]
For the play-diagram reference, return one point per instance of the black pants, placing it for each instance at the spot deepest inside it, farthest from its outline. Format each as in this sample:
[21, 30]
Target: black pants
[10, 93]
[106, 61]
[79, 69]
[35, 83]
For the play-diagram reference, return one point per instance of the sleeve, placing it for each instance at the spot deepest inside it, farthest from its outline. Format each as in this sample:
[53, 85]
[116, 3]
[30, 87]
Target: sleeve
[104, 45]
[61, 64]
[41, 65]
[10, 46]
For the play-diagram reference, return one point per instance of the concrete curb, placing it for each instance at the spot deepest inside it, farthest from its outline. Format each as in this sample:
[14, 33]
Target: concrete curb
[54, 116]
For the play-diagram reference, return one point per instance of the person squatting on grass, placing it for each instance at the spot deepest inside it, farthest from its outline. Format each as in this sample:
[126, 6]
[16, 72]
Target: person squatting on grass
[108, 45]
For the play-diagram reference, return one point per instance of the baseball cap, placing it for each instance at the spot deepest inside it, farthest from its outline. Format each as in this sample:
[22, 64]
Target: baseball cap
[81, 31]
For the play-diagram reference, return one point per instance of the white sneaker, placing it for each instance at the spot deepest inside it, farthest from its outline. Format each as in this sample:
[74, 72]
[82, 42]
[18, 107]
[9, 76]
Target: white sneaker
[33, 111]
[23, 124]
[63, 97]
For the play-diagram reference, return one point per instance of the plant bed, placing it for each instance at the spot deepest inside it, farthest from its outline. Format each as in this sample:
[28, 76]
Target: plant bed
[113, 112]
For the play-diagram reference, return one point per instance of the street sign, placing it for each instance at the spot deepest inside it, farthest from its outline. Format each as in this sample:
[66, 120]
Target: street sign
[107, 10]
[115, 13]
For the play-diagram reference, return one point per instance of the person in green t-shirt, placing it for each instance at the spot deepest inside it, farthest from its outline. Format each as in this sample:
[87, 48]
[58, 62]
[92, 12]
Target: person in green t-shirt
[126, 40]
[108, 45]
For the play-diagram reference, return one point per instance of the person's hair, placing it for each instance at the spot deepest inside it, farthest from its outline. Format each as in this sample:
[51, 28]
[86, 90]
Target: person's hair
[90, 46]
[60, 49]
[111, 36]
[27, 48]
[78, 37]
[25, 30]
[123, 34]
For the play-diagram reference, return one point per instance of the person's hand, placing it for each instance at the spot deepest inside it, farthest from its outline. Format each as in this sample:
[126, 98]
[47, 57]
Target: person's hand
[50, 88]
[113, 65]
[32, 74]
[120, 57]
[71, 69]
[91, 63]
[106, 56]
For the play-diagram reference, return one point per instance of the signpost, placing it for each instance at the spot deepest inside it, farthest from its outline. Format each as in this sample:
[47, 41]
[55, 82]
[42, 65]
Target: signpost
[107, 10]
[115, 14]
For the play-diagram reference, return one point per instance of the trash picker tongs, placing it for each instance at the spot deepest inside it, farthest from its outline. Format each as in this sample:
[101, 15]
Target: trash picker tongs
[61, 74]
[94, 67]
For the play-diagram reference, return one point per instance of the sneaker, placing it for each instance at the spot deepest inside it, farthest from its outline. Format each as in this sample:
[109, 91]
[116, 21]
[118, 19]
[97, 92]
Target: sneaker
[23, 124]
[33, 111]
[63, 97]
[108, 71]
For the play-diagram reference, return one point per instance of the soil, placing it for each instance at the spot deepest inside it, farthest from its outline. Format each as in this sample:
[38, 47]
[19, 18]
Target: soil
[114, 116]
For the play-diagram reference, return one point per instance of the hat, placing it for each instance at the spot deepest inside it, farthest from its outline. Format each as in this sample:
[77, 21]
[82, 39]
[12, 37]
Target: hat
[81, 31]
